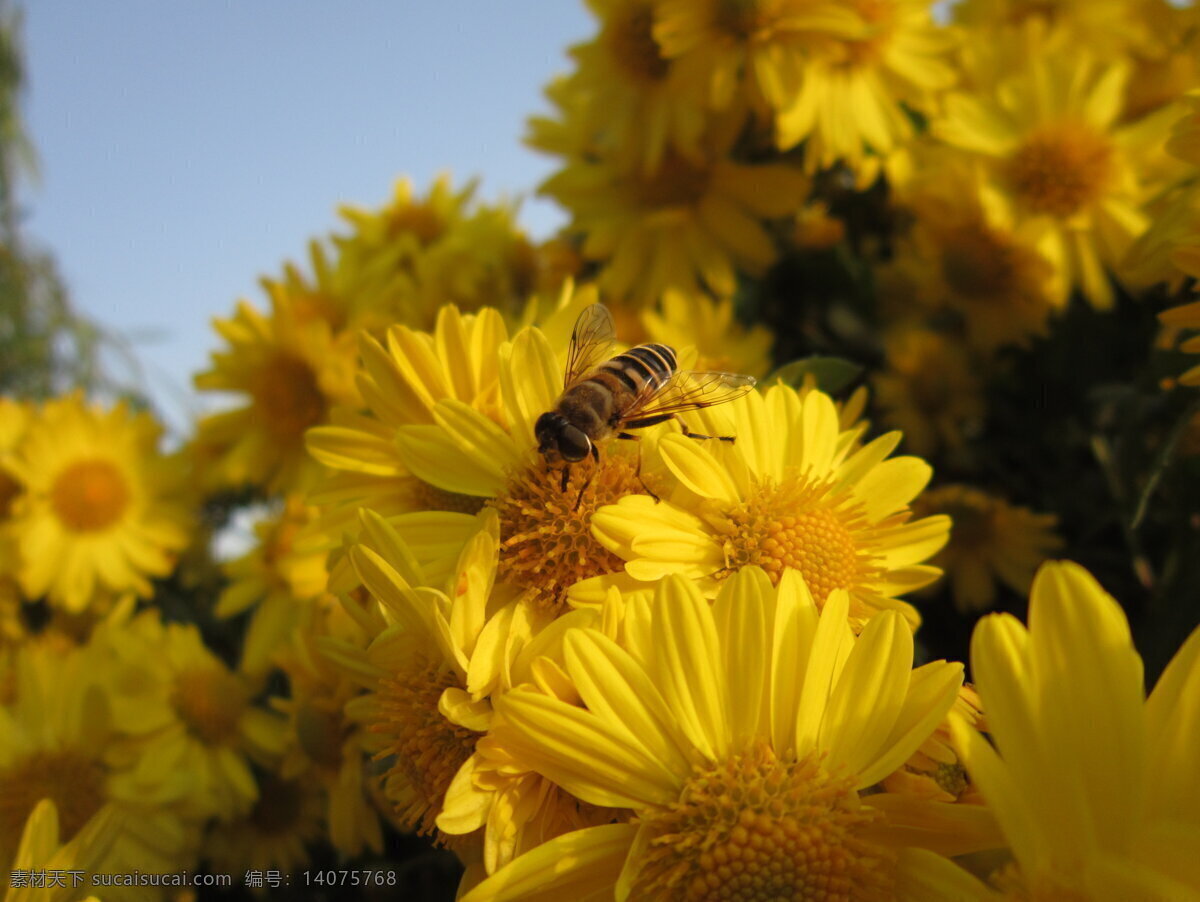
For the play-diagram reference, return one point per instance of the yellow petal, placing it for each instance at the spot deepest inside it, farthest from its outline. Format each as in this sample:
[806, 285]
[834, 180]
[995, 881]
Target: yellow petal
[696, 469]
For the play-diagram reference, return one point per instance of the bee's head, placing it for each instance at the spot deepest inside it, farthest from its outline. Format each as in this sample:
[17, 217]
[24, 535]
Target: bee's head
[559, 440]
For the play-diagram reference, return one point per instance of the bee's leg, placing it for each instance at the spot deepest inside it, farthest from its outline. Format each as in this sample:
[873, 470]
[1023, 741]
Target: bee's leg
[588, 481]
[565, 475]
[638, 472]
[721, 438]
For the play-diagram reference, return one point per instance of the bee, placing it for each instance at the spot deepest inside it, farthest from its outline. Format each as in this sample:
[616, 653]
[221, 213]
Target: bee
[605, 396]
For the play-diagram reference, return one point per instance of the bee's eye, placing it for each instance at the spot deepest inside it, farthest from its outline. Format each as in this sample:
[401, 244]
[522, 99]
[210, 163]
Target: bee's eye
[573, 444]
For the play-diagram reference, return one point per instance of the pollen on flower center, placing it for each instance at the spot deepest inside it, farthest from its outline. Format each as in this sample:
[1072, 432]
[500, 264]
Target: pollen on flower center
[74, 782]
[632, 43]
[90, 495]
[757, 827]
[799, 524]
[288, 397]
[210, 700]
[1060, 169]
[426, 749]
[546, 541]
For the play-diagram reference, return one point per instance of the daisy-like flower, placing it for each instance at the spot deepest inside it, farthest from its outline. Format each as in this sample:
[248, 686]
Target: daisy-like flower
[930, 390]
[855, 95]
[42, 851]
[274, 834]
[291, 367]
[966, 255]
[795, 491]
[749, 50]
[276, 578]
[1094, 786]
[102, 510]
[748, 738]
[684, 224]
[189, 714]
[59, 742]
[991, 542]
[1050, 140]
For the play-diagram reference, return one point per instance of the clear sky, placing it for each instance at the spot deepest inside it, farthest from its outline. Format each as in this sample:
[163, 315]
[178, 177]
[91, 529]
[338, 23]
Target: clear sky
[189, 146]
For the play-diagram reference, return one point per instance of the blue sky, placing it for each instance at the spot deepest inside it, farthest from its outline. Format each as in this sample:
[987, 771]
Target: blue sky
[187, 147]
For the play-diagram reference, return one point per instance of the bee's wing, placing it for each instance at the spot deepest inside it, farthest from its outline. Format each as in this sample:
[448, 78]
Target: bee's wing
[591, 342]
[690, 391]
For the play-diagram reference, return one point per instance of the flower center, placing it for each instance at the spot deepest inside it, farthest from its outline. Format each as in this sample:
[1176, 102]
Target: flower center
[426, 749]
[90, 495]
[210, 701]
[546, 534]
[757, 827]
[278, 808]
[288, 398]
[1061, 169]
[800, 524]
[319, 733]
[631, 43]
[74, 782]
[676, 183]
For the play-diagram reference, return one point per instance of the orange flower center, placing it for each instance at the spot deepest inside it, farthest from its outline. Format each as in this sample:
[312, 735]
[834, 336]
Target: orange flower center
[631, 43]
[90, 495]
[70, 779]
[546, 533]
[426, 749]
[803, 525]
[210, 701]
[1061, 169]
[756, 827]
[288, 398]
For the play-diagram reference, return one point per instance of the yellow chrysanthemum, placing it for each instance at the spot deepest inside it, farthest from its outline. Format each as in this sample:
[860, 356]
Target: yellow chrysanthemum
[753, 730]
[1050, 140]
[59, 741]
[991, 541]
[103, 511]
[930, 390]
[1094, 786]
[964, 254]
[855, 96]
[276, 578]
[794, 491]
[684, 224]
[42, 857]
[324, 748]
[935, 770]
[290, 367]
[406, 259]
[192, 718]
[273, 835]
[752, 51]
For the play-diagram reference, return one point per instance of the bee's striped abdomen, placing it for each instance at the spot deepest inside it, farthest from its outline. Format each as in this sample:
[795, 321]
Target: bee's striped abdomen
[641, 367]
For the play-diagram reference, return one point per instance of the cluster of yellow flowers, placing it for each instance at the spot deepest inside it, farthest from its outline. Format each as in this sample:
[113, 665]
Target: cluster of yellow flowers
[689, 668]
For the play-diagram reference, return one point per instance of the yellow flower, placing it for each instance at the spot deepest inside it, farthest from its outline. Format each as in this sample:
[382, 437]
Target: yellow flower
[276, 578]
[753, 51]
[1094, 787]
[273, 835]
[794, 491]
[708, 325]
[854, 100]
[41, 852]
[192, 718]
[291, 367]
[59, 742]
[930, 390]
[684, 224]
[1050, 139]
[324, 748]
[102, 510]
[990, 541]
[752, 730]
[966, 255]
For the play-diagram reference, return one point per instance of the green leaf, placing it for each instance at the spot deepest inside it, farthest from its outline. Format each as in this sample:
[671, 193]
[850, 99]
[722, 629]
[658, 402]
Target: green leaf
[832, 374]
